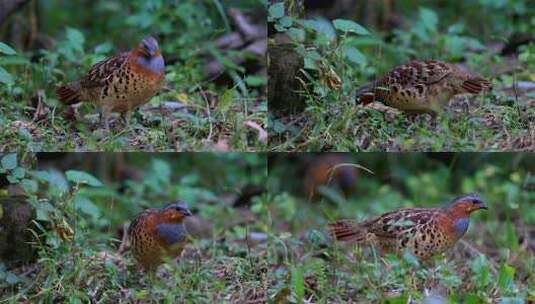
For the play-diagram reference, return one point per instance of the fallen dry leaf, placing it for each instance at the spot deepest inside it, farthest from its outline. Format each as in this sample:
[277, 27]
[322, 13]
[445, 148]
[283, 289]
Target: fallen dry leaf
[262, 134]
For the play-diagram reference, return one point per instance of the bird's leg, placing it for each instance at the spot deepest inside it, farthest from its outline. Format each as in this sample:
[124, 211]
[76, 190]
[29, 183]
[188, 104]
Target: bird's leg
[127, 117]
[104, 117]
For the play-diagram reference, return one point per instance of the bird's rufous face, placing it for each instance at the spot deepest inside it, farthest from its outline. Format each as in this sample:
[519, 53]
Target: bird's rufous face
[468, 204]
[176, 213]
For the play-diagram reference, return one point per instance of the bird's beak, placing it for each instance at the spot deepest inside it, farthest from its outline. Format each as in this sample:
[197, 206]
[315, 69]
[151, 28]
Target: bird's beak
[185, 211]
[482, 206]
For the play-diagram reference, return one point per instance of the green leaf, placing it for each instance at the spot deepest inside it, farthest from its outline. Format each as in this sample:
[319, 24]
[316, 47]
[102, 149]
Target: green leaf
[6, 49]
[511, 236]
[296, 34]
[29, 186]
[298, 284]
[5, 77]
[320, 26]
[429, 19]
[505, 277]
[226, 100]
[43, 210]
[18, 173]
[276, 10]
[481, 269]
[332, 195]
[350, 26]
[75, 36]
[86, 206]
[354, 55]
[103, 48]
[9, 162]
[80, 177]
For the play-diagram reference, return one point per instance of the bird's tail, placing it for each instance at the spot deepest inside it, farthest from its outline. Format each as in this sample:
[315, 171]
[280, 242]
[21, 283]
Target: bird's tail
[370, 92]
[68, 94]
[347, 231]
[476, 85]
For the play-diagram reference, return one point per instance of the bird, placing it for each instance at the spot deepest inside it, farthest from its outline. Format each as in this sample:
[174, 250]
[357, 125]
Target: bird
[157, 233]
[119, 83]
[422, 86]
[328, 170]
[425, 232]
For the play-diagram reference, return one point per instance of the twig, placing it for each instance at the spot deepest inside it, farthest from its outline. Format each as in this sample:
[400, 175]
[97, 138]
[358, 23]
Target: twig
[249, 31]
[124, 240]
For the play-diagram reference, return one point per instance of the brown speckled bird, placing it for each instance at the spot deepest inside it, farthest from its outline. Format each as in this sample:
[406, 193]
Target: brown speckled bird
[423, 231]
[422, 86]
[120, 83]
[157, 233]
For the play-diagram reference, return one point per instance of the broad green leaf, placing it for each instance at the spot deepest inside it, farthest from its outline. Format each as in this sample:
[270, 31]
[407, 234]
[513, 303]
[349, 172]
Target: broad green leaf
[9, 162]
[296, 34]
[354, 55]
[276, 10]
[321, 26]
[80, 177]
[103, 48]
[43, 210]
[350, 26]
[286, 21]
[5, 77]
[18, 173]
[75, 36]
[86, 206]
[6, 49]
[429, 19]
[455, 45]
[29, 185]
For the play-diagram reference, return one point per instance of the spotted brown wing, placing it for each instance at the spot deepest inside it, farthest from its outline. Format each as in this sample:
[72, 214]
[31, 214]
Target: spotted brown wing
[100, 72]
[397, 224]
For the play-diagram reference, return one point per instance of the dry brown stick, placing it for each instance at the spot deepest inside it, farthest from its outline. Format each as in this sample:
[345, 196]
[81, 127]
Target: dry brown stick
[124, 240]
[248, 30]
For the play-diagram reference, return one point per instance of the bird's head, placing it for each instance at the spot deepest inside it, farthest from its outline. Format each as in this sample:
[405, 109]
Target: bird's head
[463, 206]
[148, 47]
[176, 212]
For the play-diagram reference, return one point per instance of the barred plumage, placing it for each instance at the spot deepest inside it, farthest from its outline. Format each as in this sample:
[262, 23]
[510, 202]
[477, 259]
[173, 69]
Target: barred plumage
[424, 231]
[156, 233]
[422, 86]
[120, 83]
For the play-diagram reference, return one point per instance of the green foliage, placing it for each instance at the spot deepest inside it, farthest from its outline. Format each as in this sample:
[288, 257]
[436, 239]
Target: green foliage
[5, 77]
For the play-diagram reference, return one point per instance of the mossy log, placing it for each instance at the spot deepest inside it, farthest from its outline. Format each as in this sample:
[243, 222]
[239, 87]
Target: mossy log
[284, 64]
[16, 216]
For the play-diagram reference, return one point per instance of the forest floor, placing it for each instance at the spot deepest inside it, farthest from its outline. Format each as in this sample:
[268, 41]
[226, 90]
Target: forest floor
[277, 250]
[500, 120]
[192, 124]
